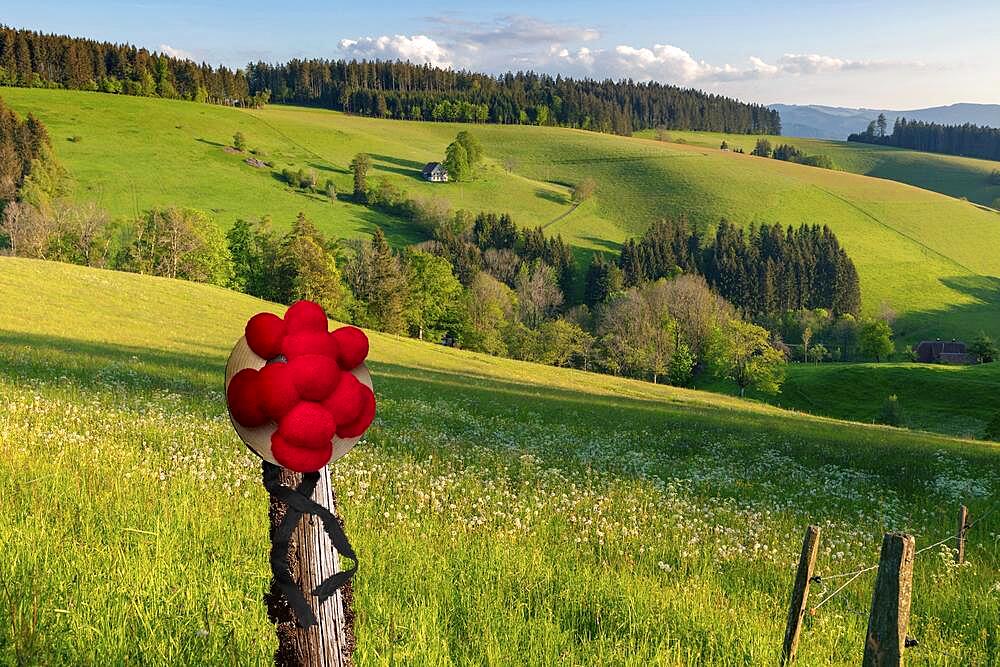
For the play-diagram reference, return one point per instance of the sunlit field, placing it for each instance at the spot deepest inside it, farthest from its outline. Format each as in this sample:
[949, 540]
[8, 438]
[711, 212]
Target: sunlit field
[953, 175]
[955, 400]
[504, 512]
[933, 258]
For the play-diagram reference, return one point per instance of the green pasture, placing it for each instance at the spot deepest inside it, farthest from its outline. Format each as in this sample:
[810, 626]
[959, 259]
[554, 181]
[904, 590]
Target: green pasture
[504, 512]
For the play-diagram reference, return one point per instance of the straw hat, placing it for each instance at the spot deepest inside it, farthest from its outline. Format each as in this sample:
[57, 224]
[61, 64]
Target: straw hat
[258, 439]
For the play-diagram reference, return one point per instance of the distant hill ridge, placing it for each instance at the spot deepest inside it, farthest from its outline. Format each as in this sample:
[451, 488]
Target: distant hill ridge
[825, 122]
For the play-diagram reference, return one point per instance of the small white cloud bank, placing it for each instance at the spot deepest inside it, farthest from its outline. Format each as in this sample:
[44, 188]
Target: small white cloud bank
[174, 52]
[418, 49]
[668, 63]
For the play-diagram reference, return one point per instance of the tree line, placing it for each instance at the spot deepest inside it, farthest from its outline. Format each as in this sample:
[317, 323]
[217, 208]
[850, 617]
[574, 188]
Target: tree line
[387, 89]
[36, 60]
[383, 89]
[764, 271]
[968, 139]
[788, 153]
[25, 147]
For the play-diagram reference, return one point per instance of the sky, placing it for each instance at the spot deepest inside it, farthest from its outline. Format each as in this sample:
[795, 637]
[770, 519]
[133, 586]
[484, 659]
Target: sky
[892, 55]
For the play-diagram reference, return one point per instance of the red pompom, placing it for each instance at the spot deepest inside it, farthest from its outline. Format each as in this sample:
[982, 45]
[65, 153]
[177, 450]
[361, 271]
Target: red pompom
[315, 375]
[244, 398]
[299, 459]
[363, 421]
[352, 346]
[277, 390]
[308, 425]
[347, 399]
[305, 316]
[308, 342]
[264, 332]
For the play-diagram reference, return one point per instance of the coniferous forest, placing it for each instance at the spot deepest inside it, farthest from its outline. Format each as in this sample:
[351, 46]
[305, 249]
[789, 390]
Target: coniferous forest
[36, 60]
[968, 140]
[763, 271]
[421, 92]
[382, 89]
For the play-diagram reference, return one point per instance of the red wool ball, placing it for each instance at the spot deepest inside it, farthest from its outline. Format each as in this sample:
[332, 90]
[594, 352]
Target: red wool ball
[264, 332]
[308, 342]
[364, 420]
[244, 398]
[277, 390]
[347, 399]
[315, 375]
[299, 459]
[305, 316]
[307, 425]
[352, 346]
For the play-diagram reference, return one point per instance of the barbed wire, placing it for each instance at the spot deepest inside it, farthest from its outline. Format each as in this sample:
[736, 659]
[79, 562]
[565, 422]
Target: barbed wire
[819, 579]
[843, 586]
[982, 516]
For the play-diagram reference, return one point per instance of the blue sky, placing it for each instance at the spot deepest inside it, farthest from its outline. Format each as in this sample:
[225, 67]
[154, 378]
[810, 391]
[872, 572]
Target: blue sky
[893, 55]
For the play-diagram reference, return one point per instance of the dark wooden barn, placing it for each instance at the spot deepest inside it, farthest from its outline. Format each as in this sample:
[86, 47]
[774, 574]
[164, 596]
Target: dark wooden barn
[943, 352]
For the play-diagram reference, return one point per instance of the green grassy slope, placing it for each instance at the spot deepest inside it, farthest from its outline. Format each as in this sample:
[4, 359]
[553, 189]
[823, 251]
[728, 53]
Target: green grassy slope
[957, 400]
[948, 174]
[936, 260]
[504, 512]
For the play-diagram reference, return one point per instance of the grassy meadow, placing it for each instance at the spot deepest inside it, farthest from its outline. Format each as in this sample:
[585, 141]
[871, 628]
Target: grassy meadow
[952, 175]
[504, 512]
[954, 400]
[933, 258]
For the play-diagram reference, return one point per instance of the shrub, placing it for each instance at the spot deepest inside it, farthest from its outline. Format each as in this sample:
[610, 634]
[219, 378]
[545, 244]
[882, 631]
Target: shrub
[891, 412]
[239, 141]
[983, 349]
[993, 428]
[821, 161]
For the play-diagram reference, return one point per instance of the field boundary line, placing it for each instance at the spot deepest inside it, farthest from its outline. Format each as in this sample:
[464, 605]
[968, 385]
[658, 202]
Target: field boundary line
[906, 236]
[562, 215]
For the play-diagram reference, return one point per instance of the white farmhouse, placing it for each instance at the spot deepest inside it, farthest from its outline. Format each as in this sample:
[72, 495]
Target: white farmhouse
[435, 171]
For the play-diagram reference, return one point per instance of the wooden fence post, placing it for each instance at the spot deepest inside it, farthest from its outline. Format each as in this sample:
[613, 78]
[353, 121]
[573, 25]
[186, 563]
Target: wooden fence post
[963, 522]
[312, 558]
[890, 612]
[800, 594]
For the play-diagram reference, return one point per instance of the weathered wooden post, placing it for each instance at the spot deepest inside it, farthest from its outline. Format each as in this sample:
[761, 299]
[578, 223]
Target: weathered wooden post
[300, 397]
[890, 611]
[312, 560]
[800, 594]
[963, 524]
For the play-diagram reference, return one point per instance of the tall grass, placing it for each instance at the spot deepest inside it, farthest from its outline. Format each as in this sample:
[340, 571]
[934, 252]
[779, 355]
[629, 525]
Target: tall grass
[504, 513]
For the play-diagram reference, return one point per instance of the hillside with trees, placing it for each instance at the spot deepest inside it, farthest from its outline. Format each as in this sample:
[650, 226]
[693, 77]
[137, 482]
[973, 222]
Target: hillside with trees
[36, 60]
[967, 140]
[383, 89]
[421, 92]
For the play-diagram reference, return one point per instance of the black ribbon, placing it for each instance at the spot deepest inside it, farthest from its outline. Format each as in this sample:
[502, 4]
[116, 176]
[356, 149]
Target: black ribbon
[298, 501]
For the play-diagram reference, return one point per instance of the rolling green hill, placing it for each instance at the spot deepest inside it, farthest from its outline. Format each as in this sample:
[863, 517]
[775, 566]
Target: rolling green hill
[935, 259]
[948, 174]
[957, 400]
[504, 512]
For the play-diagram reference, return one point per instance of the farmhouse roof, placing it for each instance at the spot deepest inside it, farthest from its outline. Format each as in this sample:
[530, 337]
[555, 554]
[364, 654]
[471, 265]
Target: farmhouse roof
[431, 167]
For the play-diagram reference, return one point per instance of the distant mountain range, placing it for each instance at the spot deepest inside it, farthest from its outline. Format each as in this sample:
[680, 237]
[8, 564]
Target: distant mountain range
[822, 122]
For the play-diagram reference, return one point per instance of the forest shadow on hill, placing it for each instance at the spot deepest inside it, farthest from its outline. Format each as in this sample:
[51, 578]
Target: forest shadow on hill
[981, 315]
[409, 168]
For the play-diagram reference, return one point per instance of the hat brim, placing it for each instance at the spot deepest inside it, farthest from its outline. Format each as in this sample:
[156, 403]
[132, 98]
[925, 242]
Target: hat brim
[258, 439]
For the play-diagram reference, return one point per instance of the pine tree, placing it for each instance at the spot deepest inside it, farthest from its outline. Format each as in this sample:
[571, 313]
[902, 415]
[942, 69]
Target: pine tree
[359, 167]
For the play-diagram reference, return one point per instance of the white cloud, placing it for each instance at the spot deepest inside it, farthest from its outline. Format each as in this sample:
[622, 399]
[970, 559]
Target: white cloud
[176, 53]
[417, 49]
[672, 64]
[513, 31]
